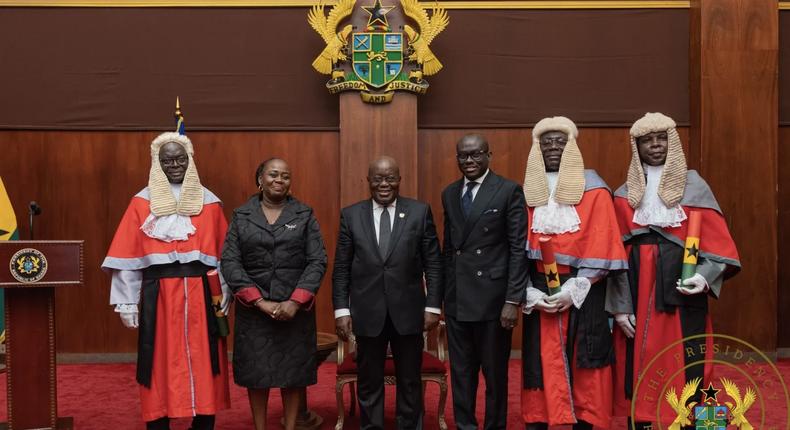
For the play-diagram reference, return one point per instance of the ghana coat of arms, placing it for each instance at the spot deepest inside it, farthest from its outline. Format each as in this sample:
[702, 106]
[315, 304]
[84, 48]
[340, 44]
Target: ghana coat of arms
[380, 59]
[710, 414]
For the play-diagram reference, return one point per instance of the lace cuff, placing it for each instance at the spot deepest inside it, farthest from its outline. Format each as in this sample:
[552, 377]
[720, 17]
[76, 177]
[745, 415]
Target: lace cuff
[126, 308]
[578, 290]
[533, 295]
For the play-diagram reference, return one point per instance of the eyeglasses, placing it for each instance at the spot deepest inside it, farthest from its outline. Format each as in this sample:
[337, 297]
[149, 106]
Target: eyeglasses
[376, 180]
[476, 156]
[554, 141]
[170, 162]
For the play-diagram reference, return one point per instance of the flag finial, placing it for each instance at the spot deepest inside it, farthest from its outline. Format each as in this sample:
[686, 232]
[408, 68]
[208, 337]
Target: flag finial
[179, 118]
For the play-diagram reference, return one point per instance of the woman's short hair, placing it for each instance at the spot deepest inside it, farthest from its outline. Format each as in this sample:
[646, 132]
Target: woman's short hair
[262, 167]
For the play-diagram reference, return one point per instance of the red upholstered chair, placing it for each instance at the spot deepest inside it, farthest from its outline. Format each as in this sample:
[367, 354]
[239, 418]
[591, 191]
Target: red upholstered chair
[433, 370]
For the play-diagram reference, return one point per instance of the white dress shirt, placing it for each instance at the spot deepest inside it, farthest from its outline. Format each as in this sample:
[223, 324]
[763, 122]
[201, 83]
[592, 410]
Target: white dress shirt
[377, 210]
[476, 188]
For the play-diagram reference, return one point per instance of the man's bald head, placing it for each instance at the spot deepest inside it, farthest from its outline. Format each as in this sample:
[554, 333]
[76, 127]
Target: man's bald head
[473, 156]
[478, 141]
[383, 162]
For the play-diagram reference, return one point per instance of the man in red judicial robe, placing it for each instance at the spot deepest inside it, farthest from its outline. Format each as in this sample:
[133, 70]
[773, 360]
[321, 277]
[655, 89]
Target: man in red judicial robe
[169, 238]
[567, 342]
[652, 309]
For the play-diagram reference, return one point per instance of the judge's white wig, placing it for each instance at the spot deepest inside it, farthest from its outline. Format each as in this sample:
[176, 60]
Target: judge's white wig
[570, 185]
[673, 177]
[163, 202]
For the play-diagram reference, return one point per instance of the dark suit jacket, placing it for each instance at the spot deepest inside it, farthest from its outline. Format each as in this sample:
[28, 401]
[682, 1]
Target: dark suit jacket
[372, 286]
[484, 258]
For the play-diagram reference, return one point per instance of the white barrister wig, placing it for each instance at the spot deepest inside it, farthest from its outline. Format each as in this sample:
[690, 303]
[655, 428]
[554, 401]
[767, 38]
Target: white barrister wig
[673, 177]
[570, 186]
[163, 202]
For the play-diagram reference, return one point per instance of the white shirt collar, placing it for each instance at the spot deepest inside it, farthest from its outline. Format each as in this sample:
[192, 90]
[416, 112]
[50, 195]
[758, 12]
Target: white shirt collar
[376, 204]
[478, 180]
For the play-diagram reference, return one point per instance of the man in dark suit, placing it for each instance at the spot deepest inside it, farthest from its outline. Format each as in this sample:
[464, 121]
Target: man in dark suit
[485, 277]
[385, 246]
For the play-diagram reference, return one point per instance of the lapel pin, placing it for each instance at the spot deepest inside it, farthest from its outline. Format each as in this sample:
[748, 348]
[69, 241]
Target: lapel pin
[402, 215]
[290, 226]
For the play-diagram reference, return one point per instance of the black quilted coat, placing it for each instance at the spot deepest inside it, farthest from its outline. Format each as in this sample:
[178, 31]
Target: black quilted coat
[276, 259]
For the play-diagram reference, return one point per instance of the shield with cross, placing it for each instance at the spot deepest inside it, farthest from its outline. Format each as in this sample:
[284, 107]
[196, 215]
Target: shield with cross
[377, 57]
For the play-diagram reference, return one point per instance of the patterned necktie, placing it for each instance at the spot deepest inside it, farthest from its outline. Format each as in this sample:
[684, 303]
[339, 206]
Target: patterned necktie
[466, 200]
[384, 231]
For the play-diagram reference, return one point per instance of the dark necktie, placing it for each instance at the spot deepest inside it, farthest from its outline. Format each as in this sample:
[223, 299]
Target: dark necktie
[466, 200]
[384, 232]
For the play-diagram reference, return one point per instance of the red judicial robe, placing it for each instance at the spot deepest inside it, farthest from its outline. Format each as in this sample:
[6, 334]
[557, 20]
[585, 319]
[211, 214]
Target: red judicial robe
[575, 387]
[664, 316]
[182, 381]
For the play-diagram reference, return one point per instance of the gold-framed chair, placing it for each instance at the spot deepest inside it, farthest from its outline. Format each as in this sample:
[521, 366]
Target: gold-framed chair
[434, 369]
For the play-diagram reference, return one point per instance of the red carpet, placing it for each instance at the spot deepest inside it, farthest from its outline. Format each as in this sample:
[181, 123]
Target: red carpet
[102, 396]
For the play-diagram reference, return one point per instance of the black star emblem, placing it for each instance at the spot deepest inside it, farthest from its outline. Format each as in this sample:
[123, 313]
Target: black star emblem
[693, 251]
[217, 307]
[3, 232]
[552, 276]
[710, 393]
[378, 13]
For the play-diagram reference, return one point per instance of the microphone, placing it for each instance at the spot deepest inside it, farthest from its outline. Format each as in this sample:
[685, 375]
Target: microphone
[33, 210]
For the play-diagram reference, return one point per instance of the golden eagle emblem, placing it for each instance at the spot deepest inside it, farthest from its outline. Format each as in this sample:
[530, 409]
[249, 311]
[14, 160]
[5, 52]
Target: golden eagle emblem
[679, 404]
[430, 27]
[326, 26]
[28, 265]
[738, 410]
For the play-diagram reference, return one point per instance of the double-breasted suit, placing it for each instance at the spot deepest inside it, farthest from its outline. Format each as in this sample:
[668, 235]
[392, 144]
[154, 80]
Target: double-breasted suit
[484, 268]
[387, 293]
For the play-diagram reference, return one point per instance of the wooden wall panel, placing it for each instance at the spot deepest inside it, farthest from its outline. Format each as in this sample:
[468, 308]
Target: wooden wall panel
[369, 131]
[84, 180]
[604, 149]
[784, 67]
[783, 293]
[736, 98]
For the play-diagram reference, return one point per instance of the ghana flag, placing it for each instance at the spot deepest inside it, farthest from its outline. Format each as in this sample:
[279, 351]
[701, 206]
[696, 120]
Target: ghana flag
[8, 231]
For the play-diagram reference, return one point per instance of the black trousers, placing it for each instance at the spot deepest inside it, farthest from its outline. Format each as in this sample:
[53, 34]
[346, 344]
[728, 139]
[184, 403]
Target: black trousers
[476, 345]
[199, 422]
[407, 355]
[581, 425]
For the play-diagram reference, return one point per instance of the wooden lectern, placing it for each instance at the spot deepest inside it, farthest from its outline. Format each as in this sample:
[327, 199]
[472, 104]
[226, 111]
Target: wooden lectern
[29, 272]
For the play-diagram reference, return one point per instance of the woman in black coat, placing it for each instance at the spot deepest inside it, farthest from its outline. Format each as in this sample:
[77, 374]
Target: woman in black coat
[273, 260]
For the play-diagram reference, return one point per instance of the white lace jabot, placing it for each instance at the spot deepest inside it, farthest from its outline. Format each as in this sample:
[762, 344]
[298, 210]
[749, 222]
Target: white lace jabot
[652, 210]
[553, 217]
[169, 228]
